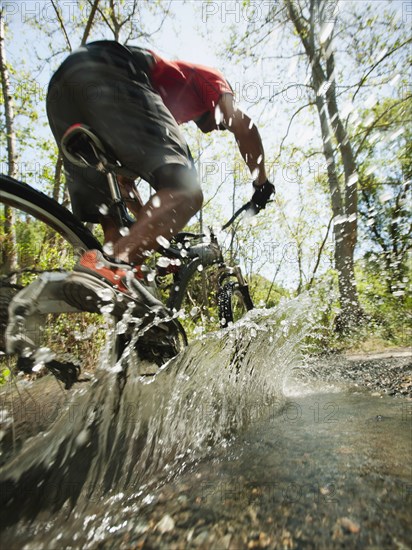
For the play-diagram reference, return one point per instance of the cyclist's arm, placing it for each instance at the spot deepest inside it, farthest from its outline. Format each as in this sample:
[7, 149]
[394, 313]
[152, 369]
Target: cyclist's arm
[247, 137]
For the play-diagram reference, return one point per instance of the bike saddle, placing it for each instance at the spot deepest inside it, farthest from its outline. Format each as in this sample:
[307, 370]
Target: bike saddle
[81, 146]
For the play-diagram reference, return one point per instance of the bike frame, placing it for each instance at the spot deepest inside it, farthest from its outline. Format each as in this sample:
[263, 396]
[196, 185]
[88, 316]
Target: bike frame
[203, 254]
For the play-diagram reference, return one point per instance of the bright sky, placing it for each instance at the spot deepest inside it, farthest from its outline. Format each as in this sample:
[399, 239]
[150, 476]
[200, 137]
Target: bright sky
[195, 33]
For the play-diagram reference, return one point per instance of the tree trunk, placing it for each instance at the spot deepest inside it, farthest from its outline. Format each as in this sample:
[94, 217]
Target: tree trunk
[343, 203]
[57, 178]
[9, 251]
[59, 163]
[232, 230]
[205, 301]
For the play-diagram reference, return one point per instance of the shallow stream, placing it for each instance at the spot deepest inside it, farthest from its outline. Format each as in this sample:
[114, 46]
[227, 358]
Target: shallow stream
[227, 447]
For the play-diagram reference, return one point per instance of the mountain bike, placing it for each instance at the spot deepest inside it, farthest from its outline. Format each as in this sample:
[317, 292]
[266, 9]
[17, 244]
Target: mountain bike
[23, 309]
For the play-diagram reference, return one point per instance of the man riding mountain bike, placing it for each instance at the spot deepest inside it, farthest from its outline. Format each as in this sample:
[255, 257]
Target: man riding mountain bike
[134, 100]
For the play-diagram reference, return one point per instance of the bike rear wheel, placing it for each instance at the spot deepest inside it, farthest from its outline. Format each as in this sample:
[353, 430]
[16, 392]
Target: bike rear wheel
[24, 198]
[48, 237]
[37, 217]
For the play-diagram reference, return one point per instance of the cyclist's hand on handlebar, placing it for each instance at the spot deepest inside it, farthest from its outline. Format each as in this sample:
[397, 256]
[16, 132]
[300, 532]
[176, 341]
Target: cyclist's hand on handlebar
[257, 203]
[261, 196]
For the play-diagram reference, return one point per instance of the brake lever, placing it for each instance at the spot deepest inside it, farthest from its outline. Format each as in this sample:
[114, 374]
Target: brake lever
[247, 206]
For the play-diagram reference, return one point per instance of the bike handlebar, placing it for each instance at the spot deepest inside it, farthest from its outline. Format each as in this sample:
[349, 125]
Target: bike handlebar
[248, 206]
[236, 215]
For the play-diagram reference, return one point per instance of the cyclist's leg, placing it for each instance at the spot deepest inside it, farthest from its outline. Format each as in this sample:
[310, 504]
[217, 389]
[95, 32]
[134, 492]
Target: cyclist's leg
[177, 199]
[88, 188]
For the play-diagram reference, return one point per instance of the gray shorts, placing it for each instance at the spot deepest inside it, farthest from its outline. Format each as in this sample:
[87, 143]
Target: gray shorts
[99, 85]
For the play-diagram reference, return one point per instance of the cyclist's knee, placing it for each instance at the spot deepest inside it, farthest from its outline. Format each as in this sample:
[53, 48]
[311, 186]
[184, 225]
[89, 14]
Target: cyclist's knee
[181, 180]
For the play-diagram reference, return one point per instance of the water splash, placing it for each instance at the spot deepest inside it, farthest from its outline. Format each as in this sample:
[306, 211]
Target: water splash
[126, 431]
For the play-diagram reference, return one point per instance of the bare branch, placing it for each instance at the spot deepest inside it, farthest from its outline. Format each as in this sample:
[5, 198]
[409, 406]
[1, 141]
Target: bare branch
[322, 246]
[294, 85]
[62, 25]
[378, 63]
[290, 124]
[103, 17]
[89, 22]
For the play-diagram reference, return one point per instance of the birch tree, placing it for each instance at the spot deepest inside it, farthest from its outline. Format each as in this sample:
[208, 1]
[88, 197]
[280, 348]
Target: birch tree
[348, 52]
[9, 255]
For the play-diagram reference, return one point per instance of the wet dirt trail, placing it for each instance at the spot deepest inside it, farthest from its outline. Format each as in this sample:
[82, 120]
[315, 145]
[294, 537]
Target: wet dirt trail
[330, 470]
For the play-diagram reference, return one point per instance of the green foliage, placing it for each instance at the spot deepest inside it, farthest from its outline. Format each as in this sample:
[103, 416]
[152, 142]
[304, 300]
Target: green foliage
[38, 248]
[80, 337]
[389, 311]
[385, 192]
[264, 293]
[4, 374]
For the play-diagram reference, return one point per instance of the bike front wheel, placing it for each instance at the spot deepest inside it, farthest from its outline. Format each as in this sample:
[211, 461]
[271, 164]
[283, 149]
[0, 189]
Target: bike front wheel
[233, 302]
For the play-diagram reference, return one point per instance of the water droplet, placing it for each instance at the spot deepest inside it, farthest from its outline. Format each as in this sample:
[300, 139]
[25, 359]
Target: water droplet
[218, 115]
[338, 220]
[385, 197]
[396, 134]
[347, 108]
[43, 355]
[163, 262]
[166, 524]
[326, 31]
[398, 293]
[82, 438]
[105, 294]
[371, 101]
[108, 248]
[108, 308]
[194, 311]
[352, 179]
[162, 241]
[121, 327]
[394, 80]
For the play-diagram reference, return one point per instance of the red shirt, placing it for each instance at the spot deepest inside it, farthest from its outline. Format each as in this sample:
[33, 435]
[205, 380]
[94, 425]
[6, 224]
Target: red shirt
[187, 89]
